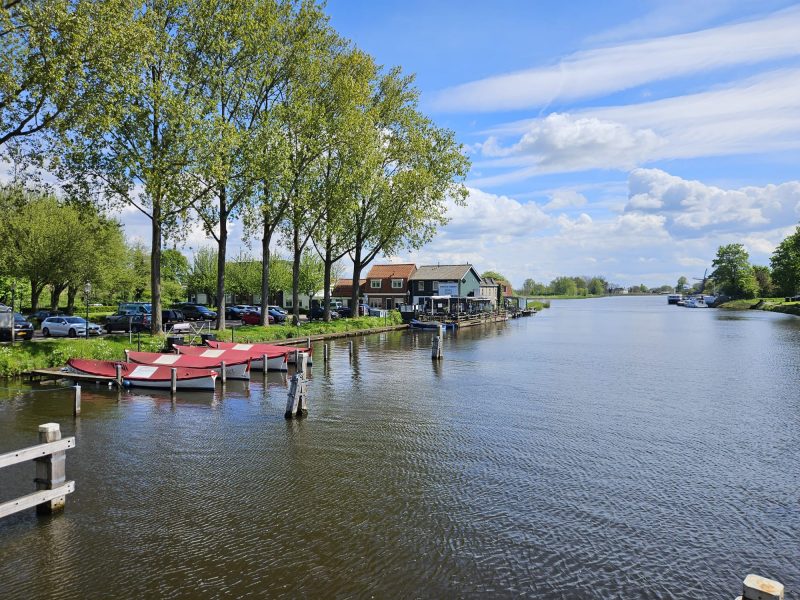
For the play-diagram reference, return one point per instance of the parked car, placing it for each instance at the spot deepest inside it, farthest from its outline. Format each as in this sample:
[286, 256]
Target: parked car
[127, 322]
[345, 312]
[23, 329]
[170, 316]
[277, 308]
[4, 308]
[277, 315]
[68, 326]
[135, 307]
[255, 319]
[41, 315]
[195, 312]
[317, 312]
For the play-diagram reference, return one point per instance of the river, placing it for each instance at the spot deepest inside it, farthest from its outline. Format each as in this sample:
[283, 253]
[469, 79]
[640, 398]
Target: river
[604, 448]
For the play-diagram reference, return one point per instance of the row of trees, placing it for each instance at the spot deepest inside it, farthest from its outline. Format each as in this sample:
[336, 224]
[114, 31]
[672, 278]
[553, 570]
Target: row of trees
[229, 110]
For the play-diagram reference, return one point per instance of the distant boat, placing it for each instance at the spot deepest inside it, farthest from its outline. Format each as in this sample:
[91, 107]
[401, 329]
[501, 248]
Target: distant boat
[415, 324]
[674, 298]
[235, 368]
[148, 376]
[276, 361]
[258, 349]
[695, 302]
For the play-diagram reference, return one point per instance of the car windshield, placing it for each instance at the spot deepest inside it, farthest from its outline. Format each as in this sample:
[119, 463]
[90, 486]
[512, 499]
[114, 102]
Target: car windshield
[75, 320]
[19, 318]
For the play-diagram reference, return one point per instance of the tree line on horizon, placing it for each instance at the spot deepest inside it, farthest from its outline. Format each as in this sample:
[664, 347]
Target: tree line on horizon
[209, 111]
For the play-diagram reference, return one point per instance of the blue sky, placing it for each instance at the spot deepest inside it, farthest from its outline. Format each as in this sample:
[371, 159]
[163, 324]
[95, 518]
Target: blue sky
[625, 139]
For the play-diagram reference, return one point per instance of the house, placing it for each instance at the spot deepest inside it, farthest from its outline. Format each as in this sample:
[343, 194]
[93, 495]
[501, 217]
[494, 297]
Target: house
[343, 290]
[490, 289]
[506, 290]
[444, 280]
[387, 285]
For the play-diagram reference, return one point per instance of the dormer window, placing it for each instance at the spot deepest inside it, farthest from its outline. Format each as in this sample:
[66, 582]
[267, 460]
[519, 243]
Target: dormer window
[397, 284]
[375, 284]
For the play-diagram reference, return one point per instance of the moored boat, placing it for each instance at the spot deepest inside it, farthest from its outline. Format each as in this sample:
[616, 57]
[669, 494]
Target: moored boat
[695, 302]
[235, 368]
[674, 298]
[276, 361]
[259, 349]
[148, 376]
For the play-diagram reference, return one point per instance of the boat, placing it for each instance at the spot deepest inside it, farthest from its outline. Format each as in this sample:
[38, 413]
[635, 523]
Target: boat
[674, 298]
[416, 324]
[146, 376]
[695, 302]
[276, 361]
[238, 368]
[259, 349]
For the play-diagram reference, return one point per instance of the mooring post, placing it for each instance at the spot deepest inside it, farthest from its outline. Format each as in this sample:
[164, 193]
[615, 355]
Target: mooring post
[436, 348]
[325, 353]
[173, 380]
[303, 363]
[127, 355]
[264, 360]
[350, 346]
[118, 370]
[297, 359]
[293, 398]
[755, 587]
[302, 407]
[50, 470]
[76, 406]
[222, 375]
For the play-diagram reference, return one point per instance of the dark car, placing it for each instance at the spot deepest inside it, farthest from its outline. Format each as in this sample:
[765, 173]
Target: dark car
[195, 312]
[23, 329]
[128, 321]
[41, 315]
[171, 316]
[318, 312]
[278, 315]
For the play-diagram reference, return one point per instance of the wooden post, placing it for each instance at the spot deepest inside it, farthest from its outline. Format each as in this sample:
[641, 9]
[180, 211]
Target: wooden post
[302, 408]
[303, 363]
[293, 398]
[264, 358]
[51, 470]
[350, 345]
[173, 380]
[127, 355]
[76, 406]
[297, 359]
[308, 342]
[755, 587]
[222, 372]
[118, 369]
[436, 348]
[325, 353]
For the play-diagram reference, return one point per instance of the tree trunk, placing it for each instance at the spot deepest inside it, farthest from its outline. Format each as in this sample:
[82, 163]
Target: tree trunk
[155, 269]
[36, 291]
[72, 291]
[356, 278]
[223, 244]
[265, 256]
[55, 295]
[326, 290]
[296, 277]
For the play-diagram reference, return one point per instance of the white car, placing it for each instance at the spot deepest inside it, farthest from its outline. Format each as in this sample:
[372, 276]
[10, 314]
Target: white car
[4, 308]
[69, 326]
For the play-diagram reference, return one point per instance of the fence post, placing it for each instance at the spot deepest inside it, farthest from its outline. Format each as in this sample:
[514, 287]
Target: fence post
[76, 406]
[50, 470]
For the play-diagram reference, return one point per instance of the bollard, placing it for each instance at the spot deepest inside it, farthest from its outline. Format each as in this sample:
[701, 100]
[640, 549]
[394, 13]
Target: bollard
[325, 353]
[76, 406]
[118, 370]
[50, 470]
[755, 587]
[222, 375]
[173, 380]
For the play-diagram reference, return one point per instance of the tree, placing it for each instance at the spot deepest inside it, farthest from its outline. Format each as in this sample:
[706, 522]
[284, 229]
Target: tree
[312, 274]
[681, 284]
[763, 276]
[244, 276]
[564, 286]
[203, 274]
[141, 148]
[598, 286]
[785, 262]
[733, 272]
[494, 275]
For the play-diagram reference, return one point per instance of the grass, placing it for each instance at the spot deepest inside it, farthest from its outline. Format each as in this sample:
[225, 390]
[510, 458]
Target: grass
[25, 356]
[769, 304]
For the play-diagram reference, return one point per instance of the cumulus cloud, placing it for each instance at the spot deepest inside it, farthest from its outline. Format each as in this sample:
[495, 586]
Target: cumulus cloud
[561, 199]
[694, 208]
[601, 71]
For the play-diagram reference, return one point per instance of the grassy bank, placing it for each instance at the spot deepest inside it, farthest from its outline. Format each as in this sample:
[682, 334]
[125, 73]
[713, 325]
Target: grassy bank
[25, 356]
[769, 304]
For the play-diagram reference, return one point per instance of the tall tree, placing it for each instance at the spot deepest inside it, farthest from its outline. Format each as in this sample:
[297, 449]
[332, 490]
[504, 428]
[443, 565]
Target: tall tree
[733, 273]
[141, 149]
[416, 169]
[203, 273]
[785, 262]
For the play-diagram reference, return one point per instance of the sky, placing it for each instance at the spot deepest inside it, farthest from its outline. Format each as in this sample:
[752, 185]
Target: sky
[622, 139]
[626, 139]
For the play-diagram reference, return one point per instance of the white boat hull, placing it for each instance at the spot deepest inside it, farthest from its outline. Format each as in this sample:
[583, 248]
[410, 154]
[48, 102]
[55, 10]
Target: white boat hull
[278, 363]
[199, 384]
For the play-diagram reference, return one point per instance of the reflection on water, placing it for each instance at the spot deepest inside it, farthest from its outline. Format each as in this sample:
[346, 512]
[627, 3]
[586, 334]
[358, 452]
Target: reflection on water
[603, 448]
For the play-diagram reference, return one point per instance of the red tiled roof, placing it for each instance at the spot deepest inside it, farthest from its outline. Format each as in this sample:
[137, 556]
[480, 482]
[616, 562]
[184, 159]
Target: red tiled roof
[403, 271]
[343, 288]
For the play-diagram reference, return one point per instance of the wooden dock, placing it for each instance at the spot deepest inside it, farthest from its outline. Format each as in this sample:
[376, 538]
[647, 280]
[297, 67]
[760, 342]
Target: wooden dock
[40, 374]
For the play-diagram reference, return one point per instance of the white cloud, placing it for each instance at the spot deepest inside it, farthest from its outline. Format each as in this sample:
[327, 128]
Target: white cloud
[601, 71]
[561, 199]
[693, 208]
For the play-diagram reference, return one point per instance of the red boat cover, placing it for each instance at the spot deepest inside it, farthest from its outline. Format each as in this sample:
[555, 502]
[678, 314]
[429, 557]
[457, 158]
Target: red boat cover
[229, 356]
[259, 349]
[132, 371]
[185, 360]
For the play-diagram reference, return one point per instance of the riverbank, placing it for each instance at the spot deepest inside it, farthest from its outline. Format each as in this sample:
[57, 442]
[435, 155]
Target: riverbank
[26, 356]
[768, 304]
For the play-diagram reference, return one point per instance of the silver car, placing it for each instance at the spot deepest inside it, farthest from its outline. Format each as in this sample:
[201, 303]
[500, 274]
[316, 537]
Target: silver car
[68, 326]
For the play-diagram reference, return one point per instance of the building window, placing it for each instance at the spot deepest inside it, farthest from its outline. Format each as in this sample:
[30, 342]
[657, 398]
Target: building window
[435, 286]
[375, 283]
[421, 286]
[397, 284]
